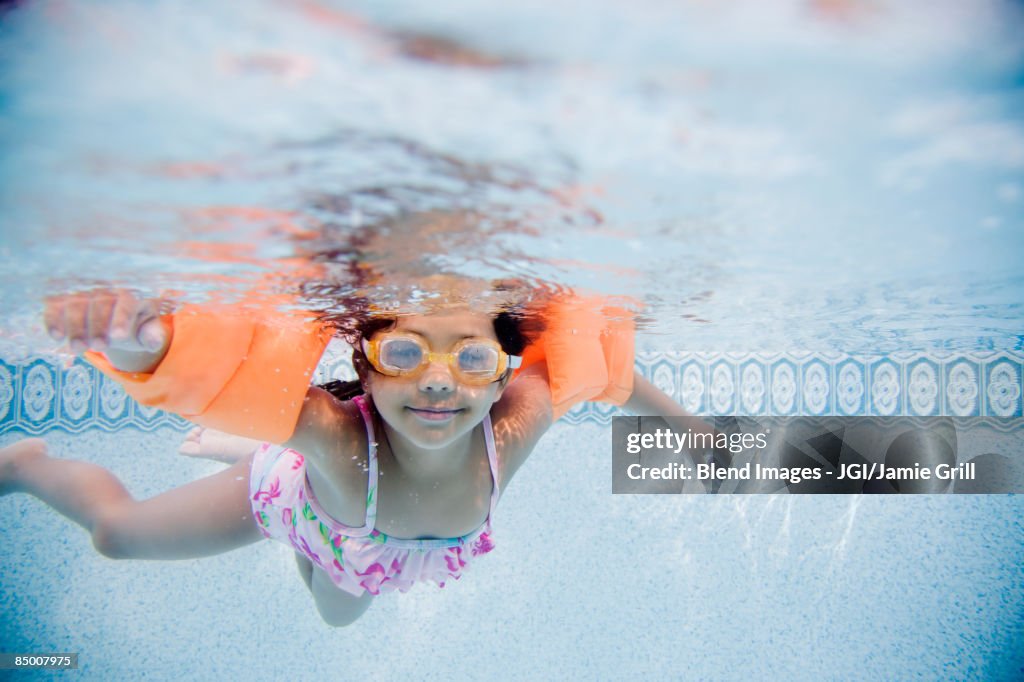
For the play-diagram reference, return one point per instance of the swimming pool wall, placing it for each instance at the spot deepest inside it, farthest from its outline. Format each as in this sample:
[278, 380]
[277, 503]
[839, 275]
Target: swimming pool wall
[42, 393]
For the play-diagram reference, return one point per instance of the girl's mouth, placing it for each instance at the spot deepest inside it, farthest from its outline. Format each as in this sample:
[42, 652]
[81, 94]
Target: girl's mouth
[433, 414]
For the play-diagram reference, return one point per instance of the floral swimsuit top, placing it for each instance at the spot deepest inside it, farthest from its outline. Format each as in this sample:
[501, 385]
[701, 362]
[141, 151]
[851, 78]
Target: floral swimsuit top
[362, 559]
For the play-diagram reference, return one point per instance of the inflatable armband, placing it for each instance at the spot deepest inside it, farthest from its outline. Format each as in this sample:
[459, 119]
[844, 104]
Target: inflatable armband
[230, 371]
[588, 346]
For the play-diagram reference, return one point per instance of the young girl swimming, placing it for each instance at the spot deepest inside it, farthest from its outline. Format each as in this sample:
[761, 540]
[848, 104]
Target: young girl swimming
[392, 487]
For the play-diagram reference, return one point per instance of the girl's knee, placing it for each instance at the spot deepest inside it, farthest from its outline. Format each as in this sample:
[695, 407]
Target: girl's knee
[337, 607]
[338, 622]
[341, 618]
[342, 613]
[16, 459]
[108, 537]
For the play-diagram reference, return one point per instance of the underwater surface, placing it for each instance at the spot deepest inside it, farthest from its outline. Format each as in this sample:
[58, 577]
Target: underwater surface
[817, 175]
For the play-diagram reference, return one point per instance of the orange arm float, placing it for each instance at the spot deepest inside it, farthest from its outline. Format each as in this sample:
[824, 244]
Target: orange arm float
[231, 370]
[588, 346]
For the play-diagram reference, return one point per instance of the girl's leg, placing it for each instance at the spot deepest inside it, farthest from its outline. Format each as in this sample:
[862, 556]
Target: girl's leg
[305, 570]
[205, 517]
[337, 607]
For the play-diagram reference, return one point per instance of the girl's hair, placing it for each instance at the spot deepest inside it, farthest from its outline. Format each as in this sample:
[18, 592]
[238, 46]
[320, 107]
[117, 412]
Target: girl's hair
[516, 325]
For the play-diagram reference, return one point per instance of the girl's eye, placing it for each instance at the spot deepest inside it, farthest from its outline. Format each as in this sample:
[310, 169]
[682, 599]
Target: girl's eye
[478, 358]
[401, 354]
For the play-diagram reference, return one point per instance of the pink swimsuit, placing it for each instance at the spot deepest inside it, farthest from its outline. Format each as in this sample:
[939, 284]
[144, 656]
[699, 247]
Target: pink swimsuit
[362, 559]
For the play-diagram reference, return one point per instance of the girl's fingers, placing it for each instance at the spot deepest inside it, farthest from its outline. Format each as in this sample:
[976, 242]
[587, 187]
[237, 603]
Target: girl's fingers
[122, 319]
[152, 334]
[53, 317]
[101, 306]
[99, 319]
[76, 316]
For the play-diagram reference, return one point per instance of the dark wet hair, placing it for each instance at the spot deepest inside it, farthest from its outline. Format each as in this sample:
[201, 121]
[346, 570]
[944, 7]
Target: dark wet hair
[515, 327]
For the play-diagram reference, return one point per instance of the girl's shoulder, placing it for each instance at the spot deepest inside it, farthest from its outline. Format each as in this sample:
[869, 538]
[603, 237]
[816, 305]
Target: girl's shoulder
[520, 418]
[337, 450]
[331, 432]
[526, 399]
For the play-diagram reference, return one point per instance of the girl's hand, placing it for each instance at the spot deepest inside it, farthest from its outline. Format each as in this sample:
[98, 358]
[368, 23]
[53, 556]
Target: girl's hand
[128, 328]
[217, 445]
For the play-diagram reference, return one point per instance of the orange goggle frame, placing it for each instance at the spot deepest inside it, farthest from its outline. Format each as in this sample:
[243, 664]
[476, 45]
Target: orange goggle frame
[474, 361]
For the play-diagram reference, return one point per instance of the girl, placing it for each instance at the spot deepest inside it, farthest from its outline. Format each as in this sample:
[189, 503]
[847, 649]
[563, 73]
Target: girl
[375, 493]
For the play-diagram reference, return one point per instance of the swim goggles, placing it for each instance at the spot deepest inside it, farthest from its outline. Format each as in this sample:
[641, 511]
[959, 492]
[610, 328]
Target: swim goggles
[475, 361]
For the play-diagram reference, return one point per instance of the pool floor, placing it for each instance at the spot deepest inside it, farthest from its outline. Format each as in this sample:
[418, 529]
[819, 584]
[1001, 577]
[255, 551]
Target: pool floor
[582, 585]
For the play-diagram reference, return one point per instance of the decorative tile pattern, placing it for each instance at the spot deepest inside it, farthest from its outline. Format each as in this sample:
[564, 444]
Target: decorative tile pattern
[45, 393]
[817, 387]
[963, 388]
[850, 387]
[1003, 382]
[886, 396]
[753, 387]
[48, 393]
[7, 390]
[783, 388]
[923, 387]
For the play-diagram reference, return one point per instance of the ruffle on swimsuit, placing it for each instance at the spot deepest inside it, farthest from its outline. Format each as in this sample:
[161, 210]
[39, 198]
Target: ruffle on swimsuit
[361, 559]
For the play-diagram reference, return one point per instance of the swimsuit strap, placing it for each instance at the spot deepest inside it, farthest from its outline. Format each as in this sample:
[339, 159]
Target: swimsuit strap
[371, 482]
[492, 458]
[371, 492]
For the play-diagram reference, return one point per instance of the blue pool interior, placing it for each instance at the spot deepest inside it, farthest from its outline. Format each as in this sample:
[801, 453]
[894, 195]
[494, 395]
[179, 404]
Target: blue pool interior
[818, 205]
[581, 582]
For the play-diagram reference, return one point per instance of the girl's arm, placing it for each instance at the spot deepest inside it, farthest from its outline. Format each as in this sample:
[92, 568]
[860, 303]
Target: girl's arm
[236, 369]
[649, 400]
[521, 417]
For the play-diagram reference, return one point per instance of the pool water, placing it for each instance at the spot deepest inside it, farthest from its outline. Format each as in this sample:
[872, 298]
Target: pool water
[819, 176]
[814, 206]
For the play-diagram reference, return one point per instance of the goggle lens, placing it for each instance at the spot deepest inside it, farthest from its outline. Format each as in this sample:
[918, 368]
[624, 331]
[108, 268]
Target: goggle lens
[478, 358]
[475, 361]
[403, 355]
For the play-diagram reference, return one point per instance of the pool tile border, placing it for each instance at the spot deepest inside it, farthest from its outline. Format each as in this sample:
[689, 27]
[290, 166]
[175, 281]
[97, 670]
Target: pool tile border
[43, 393]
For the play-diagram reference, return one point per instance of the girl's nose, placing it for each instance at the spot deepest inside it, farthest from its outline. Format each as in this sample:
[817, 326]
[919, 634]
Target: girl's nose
[437, 378]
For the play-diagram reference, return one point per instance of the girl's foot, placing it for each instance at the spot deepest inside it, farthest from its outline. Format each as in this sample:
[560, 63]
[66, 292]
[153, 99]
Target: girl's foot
[14, 458]
[216, 445]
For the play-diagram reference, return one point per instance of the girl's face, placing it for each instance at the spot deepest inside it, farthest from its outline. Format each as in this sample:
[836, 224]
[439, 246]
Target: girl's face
[434, 409]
